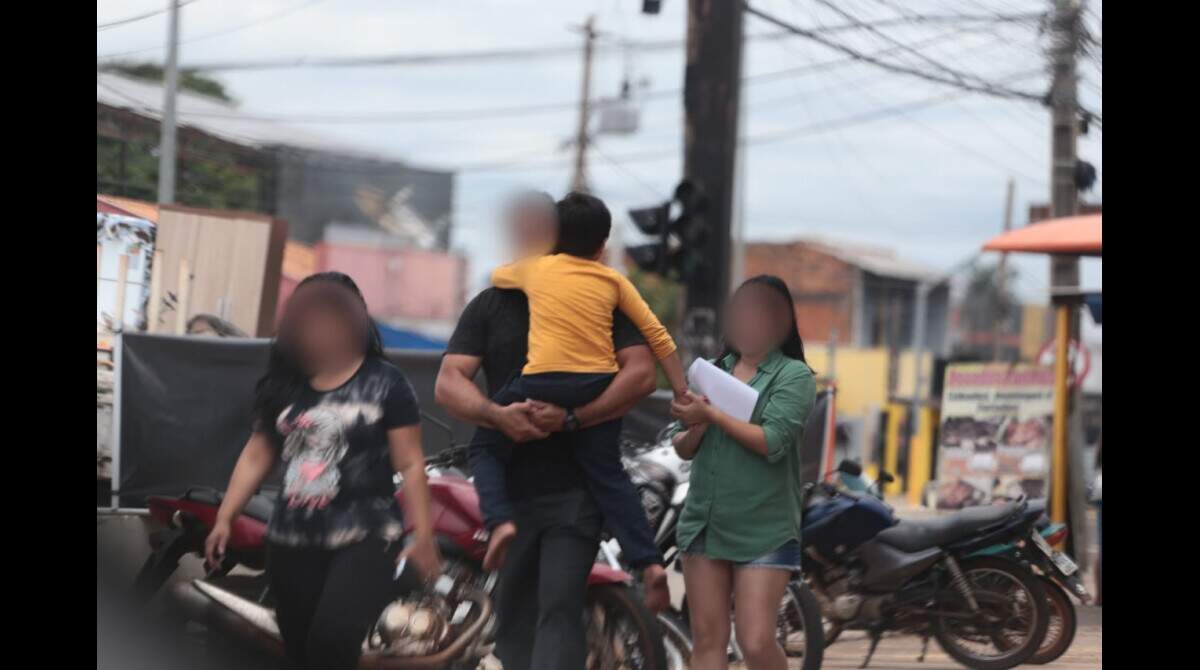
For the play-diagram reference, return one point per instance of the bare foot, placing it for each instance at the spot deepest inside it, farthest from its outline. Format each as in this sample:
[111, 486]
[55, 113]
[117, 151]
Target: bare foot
[658, 593]
[502, 536]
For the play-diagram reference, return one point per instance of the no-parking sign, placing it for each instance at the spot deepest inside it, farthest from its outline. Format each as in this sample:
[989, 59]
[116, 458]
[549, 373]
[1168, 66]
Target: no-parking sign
[1079, 360]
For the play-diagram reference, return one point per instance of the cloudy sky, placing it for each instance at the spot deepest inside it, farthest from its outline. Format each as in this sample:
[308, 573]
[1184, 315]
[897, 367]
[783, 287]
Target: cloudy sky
[830, 155]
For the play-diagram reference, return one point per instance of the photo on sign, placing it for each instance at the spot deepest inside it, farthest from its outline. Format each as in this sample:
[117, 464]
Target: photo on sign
[995, 434]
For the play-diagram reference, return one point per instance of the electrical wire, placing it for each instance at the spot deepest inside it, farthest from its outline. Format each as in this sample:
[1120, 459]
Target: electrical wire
[635, 177]
[475, 114]
[960, 77]
[1004, 140]
[770, 137]
[985, 87]
[121, 22]
[491, 55]
[220, 33]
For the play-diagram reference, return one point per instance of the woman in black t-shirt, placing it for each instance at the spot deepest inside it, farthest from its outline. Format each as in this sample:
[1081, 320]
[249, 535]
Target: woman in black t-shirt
[345, 420]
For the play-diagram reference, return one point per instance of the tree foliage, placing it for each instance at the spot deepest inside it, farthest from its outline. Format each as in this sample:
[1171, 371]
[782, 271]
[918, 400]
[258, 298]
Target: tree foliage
[188, 80]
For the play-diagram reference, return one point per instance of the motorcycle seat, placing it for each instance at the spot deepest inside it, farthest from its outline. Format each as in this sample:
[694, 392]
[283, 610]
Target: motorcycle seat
[914, 536]
[259, 507]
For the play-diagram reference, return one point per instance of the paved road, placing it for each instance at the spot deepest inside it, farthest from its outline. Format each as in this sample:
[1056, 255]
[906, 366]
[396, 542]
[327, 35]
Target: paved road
[901, 652]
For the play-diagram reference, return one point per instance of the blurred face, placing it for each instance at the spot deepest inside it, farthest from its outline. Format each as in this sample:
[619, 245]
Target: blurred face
[321, 332]
[530, 232]
[757, 321]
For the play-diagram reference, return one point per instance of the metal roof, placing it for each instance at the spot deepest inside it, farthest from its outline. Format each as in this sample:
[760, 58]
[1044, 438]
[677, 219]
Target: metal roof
[216, 117]
[138, 208]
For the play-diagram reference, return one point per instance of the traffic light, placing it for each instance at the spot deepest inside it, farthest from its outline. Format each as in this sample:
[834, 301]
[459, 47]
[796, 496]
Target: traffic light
[680, 251]
[693, 229]
[652, 220]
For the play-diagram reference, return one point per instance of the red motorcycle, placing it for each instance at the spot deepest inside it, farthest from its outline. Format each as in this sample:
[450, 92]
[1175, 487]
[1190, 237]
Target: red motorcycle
[450, 624]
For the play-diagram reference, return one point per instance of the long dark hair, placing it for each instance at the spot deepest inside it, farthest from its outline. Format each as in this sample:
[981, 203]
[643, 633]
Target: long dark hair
[792, 346]
[286, 373]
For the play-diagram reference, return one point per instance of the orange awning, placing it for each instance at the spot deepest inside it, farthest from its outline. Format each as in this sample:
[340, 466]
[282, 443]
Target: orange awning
[1079, 235]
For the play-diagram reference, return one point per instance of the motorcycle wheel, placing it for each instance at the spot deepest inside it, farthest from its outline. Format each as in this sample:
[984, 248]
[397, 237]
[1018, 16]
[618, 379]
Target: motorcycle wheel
[801, 630]
[1060, 632]
[1014, 601]
[621, 633]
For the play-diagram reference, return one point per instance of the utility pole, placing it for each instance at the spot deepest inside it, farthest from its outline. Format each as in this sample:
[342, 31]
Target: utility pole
[579, 180]
[1002, 319]
[737, 272]
[1066, 484]
[712, 85]
[166, 145]
[1064, 194]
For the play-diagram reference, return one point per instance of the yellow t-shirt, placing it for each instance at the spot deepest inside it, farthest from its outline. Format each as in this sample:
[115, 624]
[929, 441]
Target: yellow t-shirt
[571, 303]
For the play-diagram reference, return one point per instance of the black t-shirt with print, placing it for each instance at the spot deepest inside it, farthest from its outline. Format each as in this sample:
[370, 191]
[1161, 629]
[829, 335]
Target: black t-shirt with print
[338, 487]
[495, 326]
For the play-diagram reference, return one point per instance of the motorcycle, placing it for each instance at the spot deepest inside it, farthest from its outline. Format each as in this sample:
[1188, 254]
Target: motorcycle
[450, 624]
[874, 573]
[1058, 572]
[661, 478]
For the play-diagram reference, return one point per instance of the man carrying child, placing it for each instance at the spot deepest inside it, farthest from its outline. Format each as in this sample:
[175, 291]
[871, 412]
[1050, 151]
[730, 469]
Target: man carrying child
[554, 505]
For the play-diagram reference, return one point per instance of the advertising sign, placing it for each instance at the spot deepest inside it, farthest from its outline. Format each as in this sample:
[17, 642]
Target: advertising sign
[994, 440]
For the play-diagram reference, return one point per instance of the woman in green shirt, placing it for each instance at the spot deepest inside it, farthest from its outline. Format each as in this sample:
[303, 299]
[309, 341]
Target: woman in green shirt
[740, 526]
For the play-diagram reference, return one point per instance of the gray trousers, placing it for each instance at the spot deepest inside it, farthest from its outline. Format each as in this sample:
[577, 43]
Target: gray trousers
[543, 583]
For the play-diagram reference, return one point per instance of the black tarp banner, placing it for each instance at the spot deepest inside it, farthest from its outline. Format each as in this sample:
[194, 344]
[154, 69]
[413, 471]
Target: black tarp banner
[184, 410]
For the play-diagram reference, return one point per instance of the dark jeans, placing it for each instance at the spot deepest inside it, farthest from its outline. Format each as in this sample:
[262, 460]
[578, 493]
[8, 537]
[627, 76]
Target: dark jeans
[327, 600]
[543, 583]
[597, 451]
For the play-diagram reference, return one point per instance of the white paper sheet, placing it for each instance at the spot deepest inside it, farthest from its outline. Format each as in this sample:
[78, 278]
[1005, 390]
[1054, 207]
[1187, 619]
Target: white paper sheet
[729, 395]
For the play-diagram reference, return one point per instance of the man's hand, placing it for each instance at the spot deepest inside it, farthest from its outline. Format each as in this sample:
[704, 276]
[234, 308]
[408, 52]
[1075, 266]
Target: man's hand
[516, 422]
[548, 417]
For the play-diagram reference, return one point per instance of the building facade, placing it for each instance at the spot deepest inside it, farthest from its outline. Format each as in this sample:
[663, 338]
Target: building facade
[853, 295]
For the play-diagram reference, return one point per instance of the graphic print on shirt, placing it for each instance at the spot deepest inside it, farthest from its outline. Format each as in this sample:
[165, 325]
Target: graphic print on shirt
[315, 444]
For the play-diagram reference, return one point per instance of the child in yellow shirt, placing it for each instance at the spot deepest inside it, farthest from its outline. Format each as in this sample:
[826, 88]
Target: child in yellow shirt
[572, 297]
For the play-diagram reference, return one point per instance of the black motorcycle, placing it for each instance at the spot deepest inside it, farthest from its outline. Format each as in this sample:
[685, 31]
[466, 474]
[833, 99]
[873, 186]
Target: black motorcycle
[880, 575]
[1059, 574]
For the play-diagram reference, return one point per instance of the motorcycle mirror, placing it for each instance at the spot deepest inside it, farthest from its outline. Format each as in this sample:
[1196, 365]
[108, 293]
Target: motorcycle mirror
[886, 477]
[850, 467]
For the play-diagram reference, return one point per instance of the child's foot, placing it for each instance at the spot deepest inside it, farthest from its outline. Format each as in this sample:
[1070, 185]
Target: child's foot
[502, 536]
[658, 593]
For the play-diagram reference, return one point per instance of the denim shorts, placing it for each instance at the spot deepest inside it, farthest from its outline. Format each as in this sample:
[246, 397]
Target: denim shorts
[785, 557]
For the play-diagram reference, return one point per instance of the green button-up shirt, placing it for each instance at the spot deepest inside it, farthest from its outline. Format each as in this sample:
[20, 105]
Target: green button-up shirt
[746, 504]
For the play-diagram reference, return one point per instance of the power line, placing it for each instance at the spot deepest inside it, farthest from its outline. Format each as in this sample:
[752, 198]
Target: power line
[220, 33]
[528, 53]
[630, 173]
[960, 77]
[956, 103]
[775, 136]
[986, 88]
[475, 114]
[113, 24]
[957, 144]
[1018, 146]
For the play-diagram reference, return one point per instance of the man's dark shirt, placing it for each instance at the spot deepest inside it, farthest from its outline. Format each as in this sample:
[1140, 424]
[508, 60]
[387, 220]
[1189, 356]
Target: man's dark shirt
[495, 326]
